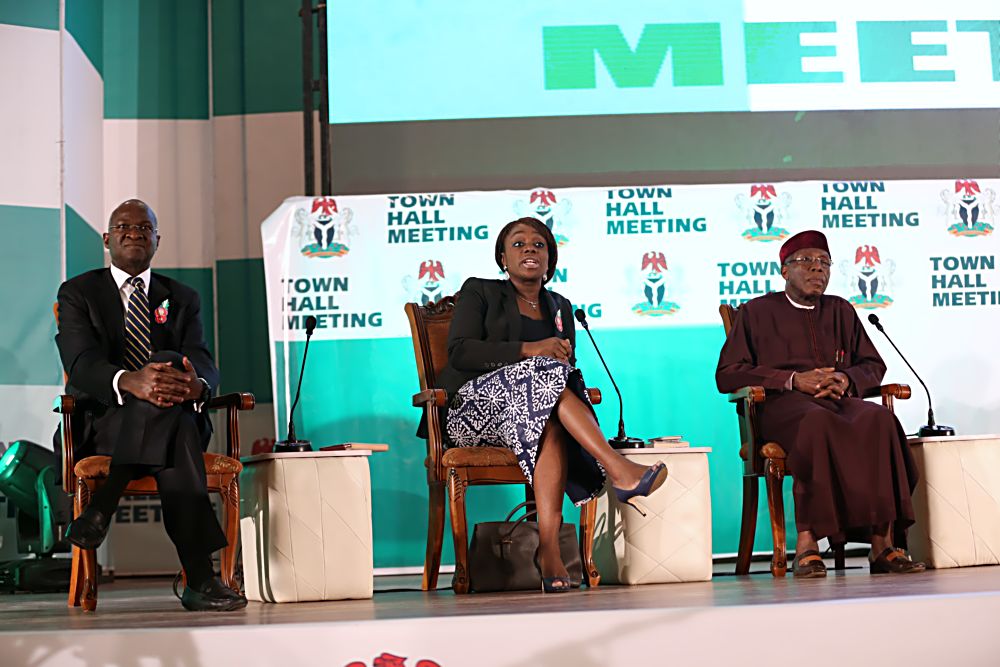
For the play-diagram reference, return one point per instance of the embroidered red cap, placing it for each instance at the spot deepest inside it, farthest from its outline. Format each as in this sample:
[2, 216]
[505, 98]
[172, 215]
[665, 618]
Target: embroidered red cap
[801, 241]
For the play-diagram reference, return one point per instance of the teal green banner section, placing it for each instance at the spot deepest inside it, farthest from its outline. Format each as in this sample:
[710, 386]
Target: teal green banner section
[887, 51]
[85, 21]
[30, 13]
[244, 355]
[156, 59]
[775, 52]
[257, 57]
[84, 246]
[695, 51]
[360, 390]
[29, 279]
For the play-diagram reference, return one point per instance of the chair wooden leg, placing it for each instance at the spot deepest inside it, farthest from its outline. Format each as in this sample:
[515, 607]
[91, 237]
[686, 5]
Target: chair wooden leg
[588, 518]
[230, 494]
[839, 561]
[75, 579]
[457, 485]
[87, 597]
[435, 535]
[91, 574]
[76, 567]
[776, 508]
[748, 525]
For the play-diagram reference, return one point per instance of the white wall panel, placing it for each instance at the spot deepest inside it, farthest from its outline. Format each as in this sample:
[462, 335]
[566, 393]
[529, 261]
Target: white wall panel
[29, 117]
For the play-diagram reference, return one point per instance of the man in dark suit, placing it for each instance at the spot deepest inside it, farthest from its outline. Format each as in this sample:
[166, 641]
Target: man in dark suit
[132, 347]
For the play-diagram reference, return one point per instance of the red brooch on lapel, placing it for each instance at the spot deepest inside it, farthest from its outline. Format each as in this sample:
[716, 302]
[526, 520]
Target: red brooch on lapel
[162, 311]
[559, 321]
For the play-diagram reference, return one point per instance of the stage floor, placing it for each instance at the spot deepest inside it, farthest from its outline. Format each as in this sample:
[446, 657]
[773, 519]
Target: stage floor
[732, 609]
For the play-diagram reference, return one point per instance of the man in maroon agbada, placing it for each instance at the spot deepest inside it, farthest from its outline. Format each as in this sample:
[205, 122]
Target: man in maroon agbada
[853, 474]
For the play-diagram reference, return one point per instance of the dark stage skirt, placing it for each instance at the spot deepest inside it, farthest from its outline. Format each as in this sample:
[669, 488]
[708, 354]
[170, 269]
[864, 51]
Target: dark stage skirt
[510, 407]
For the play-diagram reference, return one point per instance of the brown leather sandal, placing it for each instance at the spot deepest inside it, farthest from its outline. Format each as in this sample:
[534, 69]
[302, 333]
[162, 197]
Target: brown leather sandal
[808, 565]
[894, 561]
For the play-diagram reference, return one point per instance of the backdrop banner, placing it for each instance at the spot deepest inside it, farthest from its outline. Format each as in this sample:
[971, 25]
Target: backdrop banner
[650, 266]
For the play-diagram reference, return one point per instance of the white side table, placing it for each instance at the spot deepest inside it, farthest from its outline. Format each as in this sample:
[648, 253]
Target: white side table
[306, 526]
[673, 542]
[957, 501]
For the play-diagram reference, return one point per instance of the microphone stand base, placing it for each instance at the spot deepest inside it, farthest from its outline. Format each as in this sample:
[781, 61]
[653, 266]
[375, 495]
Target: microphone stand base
[626, 443]
[936, 431]
[287, 446]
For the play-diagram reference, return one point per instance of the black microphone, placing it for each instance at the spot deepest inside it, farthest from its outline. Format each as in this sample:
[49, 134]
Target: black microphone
[291, 443]
[931, 429]
[620, 441]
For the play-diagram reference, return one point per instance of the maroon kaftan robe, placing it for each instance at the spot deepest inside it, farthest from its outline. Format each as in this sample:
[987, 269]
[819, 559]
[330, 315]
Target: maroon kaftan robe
[849, 458]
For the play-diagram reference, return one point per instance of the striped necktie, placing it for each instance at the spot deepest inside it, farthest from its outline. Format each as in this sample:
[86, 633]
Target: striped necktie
[137, 346]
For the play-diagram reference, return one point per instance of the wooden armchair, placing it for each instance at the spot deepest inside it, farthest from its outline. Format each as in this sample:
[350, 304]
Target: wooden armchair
[467, 466]
[767, 460]
[81, 478]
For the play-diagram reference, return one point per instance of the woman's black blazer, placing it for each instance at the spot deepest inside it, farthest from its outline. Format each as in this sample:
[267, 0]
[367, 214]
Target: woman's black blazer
[485, 332]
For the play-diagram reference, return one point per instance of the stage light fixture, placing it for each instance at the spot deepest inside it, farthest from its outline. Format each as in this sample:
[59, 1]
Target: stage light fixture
[29, 478]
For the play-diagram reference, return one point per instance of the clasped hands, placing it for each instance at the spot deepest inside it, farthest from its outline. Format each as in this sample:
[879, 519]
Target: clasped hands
[557, 348]
[822, 383]
[161, 384]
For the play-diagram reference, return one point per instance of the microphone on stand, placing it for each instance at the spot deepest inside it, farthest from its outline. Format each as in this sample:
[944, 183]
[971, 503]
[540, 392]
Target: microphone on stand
[620, 441]
[931, 429]
[291, 443]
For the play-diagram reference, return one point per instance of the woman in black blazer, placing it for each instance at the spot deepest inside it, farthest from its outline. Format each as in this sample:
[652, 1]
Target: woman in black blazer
[513, 382]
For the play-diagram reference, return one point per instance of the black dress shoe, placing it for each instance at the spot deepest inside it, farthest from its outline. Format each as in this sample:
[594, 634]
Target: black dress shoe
[213, 595]
[88, 530]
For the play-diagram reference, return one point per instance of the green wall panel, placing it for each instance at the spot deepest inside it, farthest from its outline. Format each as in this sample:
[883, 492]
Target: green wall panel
[257, 57]
[30, 13]
[243, 346]
[84, 246]
[155, 59]
[202, 281]
[30, 270]
[85, 21]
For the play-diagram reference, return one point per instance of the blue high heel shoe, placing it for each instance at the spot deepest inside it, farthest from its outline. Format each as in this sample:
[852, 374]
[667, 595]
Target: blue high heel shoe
[652, 479]
[565, 584]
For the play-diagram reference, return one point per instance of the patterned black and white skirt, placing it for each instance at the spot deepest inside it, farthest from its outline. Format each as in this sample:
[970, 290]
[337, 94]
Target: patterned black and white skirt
[510, 407]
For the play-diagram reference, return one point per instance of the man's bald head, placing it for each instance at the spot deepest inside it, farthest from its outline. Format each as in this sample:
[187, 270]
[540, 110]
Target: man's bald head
[130, 205]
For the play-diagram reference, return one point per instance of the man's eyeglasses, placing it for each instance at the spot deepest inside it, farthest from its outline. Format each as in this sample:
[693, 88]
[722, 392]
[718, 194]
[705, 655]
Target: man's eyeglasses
[824, 262]
[145, 230]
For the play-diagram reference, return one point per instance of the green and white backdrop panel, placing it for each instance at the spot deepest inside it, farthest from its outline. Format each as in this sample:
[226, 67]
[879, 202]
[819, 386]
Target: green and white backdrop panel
[901, 249]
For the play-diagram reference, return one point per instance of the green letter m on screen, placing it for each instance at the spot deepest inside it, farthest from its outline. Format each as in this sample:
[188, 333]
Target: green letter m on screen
[695, 54]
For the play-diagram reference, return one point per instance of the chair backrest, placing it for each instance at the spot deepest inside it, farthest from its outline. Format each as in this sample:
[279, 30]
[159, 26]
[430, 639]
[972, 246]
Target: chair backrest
[429, 325]
[728, 315]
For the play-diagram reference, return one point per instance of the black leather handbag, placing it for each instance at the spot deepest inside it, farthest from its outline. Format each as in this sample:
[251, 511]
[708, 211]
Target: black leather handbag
[502, 554]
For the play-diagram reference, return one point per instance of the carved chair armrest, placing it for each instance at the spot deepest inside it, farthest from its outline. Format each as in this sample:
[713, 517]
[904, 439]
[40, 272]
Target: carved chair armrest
[746, 398]
[240, 401]
[233, 403]
[898, 391]
[64, 405]
[889, 392]
[750, 394]
[430, 400]
[431, 397]
[594, 394]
